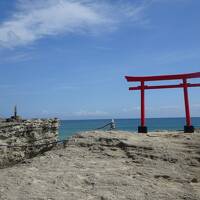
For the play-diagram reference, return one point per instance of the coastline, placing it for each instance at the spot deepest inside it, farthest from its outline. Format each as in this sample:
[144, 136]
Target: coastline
[110, 165]
[70, 127]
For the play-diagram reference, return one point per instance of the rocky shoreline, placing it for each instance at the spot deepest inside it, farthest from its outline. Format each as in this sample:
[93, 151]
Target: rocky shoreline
[112, 165]
[21, 139]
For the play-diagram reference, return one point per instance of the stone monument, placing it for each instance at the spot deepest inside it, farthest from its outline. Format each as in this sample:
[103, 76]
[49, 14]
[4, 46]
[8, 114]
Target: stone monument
[15, 117]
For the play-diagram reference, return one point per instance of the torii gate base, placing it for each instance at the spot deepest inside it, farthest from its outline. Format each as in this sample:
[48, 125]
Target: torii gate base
[142, 129]
[189, 129]
[185, 85]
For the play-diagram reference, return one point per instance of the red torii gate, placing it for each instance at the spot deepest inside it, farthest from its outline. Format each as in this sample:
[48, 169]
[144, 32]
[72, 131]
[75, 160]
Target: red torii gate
[184, 77]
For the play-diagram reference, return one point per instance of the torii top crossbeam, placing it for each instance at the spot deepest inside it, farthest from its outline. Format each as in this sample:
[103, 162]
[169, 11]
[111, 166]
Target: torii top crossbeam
[184, 85]
[162, 77]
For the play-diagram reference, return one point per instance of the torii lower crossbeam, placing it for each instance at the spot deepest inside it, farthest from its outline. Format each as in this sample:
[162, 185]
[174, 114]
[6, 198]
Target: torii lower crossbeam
[185, 85]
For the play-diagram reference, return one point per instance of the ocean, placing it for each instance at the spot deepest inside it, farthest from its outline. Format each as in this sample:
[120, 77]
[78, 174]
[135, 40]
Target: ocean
[71, 127]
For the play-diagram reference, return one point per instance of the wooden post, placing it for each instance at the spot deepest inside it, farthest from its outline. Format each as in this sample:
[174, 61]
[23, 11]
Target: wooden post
[142, 105]
[142, 128]
[188, 128]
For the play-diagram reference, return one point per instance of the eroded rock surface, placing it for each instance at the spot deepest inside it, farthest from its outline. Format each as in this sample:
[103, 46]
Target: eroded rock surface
[25, 139]
[110, 166]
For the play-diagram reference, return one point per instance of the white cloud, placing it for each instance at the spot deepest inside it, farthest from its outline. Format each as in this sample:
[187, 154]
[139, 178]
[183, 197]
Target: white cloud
[33, 20]
[169, 108]
[130, 110]
[18, 57]
[84, 113]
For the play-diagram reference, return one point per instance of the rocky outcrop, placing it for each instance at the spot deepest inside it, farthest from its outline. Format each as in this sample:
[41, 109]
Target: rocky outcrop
[25, 139]
[111, 165]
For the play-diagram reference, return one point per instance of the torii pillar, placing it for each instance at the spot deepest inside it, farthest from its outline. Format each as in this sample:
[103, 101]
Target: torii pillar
[188, 128]
[142, 128]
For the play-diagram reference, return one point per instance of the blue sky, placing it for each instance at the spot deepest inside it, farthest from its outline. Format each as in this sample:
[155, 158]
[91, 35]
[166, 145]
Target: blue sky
[68, 58]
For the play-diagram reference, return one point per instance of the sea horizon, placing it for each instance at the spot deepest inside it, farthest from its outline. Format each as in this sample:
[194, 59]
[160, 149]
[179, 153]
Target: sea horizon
[71, 127]
[123, 118]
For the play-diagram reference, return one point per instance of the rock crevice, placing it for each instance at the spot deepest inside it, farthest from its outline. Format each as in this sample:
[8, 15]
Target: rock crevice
[25, 139]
